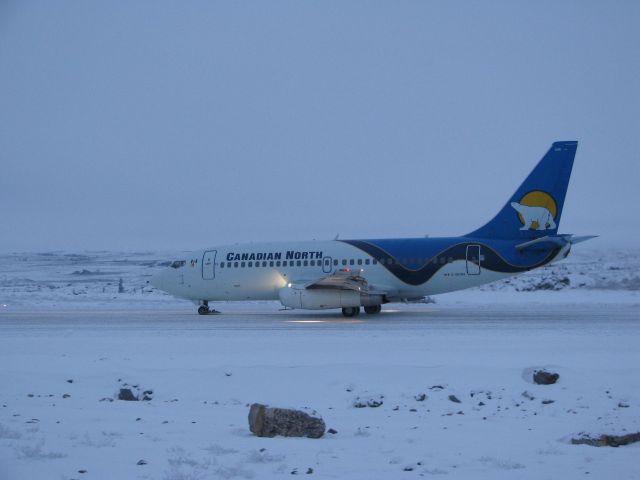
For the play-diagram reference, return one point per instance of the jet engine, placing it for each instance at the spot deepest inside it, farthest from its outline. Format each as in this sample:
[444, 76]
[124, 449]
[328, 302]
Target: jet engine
[322, 298]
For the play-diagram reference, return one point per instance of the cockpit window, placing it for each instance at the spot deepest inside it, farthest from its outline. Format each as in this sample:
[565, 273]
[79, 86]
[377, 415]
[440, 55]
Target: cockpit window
[178, 263]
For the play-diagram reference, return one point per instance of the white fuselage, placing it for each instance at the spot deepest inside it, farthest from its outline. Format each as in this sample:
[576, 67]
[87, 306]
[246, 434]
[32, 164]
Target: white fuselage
[258, 271]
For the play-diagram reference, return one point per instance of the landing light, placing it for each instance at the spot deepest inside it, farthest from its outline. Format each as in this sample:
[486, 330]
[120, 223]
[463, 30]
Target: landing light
[289, 285]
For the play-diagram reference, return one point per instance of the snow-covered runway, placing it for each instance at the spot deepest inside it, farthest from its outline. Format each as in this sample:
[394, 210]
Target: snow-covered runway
[205, 371]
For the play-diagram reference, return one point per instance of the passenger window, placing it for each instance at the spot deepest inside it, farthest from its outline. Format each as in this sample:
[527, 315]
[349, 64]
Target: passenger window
[450, 260]
[250, 264]
[359, 261]
[367, 261]
[298, 263]
[375, 262]
[344, 262]
[235, 264]
[305, 263]
[335, 262]
[351, 262]
[278, 263]
[241, 264]
[221, 264]
[312, 263]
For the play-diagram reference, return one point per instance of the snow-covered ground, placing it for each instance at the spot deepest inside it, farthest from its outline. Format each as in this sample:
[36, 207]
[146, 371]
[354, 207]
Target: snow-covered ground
[69, 341]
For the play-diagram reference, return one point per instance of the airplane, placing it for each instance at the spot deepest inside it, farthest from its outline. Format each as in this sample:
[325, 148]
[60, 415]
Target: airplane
[350, 274]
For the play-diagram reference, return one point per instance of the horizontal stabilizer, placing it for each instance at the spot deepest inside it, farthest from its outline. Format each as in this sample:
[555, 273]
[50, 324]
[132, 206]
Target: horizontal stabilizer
[583, 238]
[560, 240]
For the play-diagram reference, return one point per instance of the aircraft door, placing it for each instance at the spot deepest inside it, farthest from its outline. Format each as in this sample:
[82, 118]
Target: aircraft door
[473, 259]
[209, 265]
[326, 264]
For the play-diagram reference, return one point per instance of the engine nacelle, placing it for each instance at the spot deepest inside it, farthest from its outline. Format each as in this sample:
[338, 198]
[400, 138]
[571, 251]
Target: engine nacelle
[322, 298]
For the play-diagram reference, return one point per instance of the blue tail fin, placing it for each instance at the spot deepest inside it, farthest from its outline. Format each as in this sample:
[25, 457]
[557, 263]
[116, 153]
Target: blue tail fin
[535, 209]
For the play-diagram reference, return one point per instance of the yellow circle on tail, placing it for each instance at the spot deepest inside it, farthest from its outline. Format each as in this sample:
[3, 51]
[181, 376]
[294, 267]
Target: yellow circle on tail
[538, 198]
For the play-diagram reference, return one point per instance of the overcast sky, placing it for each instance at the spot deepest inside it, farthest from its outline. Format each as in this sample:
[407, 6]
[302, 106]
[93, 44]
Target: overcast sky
[178, 125]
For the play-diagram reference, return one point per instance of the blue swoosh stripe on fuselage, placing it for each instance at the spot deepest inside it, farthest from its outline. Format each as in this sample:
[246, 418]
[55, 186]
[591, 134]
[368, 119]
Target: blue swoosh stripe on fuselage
[407, 253]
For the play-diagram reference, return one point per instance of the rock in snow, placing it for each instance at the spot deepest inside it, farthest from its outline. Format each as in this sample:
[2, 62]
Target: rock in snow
[127, 395]
[267, 421]
[607, 440]
[542, 377]
[372, 402]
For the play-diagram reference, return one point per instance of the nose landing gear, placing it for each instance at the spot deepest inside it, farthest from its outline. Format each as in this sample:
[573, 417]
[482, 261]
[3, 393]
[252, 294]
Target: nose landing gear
[203, 309]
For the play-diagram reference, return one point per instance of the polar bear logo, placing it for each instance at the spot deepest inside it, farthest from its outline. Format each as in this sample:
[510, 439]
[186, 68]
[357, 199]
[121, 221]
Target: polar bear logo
[534, 218]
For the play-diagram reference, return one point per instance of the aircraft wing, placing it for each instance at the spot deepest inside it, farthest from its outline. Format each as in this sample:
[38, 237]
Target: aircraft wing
[345, 279]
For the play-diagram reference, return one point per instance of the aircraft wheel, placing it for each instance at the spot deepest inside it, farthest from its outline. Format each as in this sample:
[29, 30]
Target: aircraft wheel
[350, 311]
[203, 310]
[373, 309]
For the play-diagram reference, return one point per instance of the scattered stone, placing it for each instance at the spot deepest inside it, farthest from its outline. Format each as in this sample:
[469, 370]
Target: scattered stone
[481, 404]
[421, 397]
[623, 405]
[332, 431]
[127, 395]
[70, 380]
[82, 471]
[147, 395]
[30, 395]
[528, 396]
[138, 419]
[396, 408]
[227, 374]
[547, 402]
[266, 421]
[407, 469]
[66, 395]
[413, 410]
[607, 440]
[309, 471]
[368, 402]
[542, 377]
[454, 399]
[141, 462]
[436, 387]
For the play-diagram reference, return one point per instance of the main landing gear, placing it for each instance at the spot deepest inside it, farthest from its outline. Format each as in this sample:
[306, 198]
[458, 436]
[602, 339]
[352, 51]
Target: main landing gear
[355, 311]
[203, 309]
[373, 309]
[350, 311]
